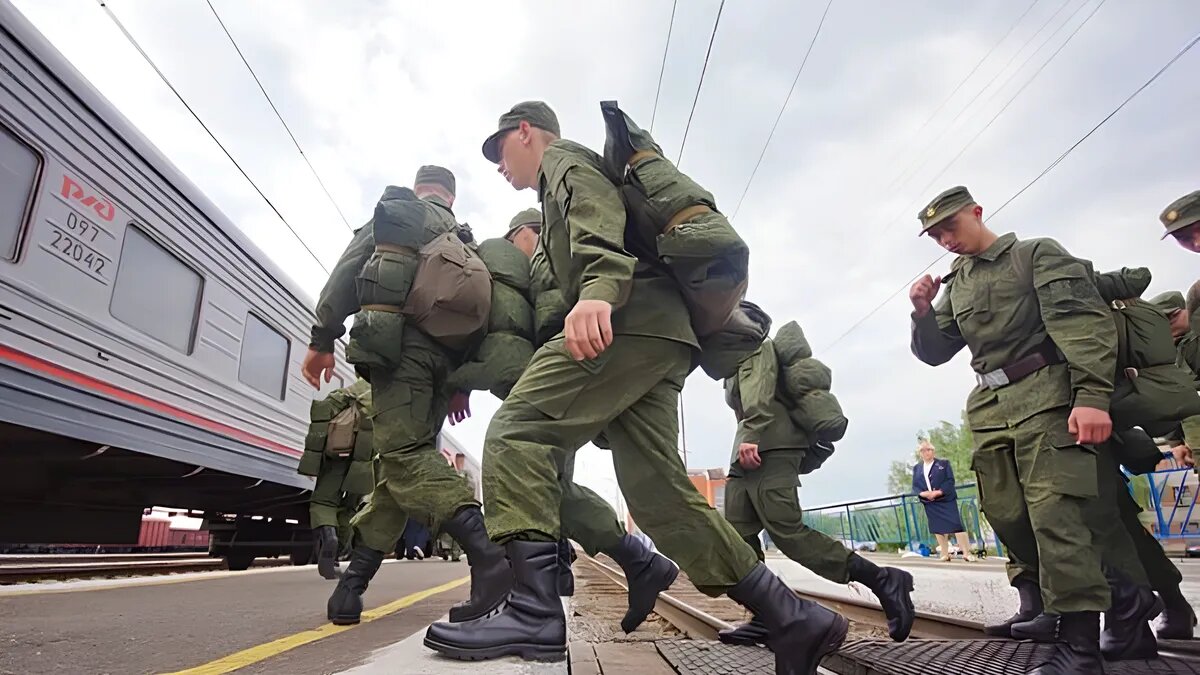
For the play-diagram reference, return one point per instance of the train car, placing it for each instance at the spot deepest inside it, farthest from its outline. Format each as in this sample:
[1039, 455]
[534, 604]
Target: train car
[149, 352]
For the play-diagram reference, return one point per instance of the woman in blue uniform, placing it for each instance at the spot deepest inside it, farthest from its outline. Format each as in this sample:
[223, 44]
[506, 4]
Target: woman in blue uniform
[933, 483]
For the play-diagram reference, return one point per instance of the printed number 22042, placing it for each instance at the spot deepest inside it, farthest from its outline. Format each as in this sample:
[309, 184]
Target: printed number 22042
[77, 253]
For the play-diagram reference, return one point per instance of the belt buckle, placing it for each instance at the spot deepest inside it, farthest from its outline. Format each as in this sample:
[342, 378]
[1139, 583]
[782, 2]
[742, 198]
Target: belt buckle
[993, 380]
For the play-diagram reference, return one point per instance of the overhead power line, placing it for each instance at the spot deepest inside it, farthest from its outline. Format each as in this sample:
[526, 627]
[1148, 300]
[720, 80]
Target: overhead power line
[1058, 160]
[663, 68]
[782, 108]
[179, 96]
[276, 111]
[700, 84]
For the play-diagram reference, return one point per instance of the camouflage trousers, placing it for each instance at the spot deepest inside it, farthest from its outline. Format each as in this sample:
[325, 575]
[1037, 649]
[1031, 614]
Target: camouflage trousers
[1161, 573]
[329, 505]
[413, 479]
[765, 498]
[1054, 507]
[585, 516]
[631, 394]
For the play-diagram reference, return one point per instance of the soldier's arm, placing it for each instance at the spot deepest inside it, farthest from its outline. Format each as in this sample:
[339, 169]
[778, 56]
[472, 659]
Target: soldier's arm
[595, 218]
[935, 336]
[339, 297]
[1079, 322]
[758, 377]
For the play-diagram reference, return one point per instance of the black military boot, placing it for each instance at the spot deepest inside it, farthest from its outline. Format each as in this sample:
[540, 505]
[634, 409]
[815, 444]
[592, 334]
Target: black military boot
[800, 632]
[647, 574]
[491, 577]
[1041, 628]
[753, 632]
[1178, 620]
[326, 541]
[1078, 649]
[531, 624]
[1127, 633]
[345, 605]
[1031, 607]
[893, 587]
[566, 579]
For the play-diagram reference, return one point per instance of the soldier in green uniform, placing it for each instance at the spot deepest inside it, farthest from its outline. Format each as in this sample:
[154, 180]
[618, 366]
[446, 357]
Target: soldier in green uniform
[411, 402]
[618, 368]
[1045, 359]
[761, 494]
[344, 472]
[585, 516]
[1182, 220]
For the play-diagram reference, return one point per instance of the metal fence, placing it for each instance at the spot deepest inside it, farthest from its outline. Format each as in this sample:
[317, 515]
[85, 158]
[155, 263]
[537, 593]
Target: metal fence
[898, 522]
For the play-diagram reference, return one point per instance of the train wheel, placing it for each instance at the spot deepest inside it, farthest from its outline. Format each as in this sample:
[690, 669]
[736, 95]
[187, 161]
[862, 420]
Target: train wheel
[301, 556]
[239, 561]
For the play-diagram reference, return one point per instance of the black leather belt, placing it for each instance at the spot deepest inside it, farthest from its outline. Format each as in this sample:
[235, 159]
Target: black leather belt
[1045, 355]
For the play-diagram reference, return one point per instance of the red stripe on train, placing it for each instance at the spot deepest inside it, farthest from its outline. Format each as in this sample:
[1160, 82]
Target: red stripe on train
[37, 364]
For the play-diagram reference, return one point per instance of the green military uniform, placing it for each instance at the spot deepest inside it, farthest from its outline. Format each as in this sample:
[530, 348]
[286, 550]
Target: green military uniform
[1037, 486]
[765, 497]
[408, 373]
[1188, 346]
[337, 493]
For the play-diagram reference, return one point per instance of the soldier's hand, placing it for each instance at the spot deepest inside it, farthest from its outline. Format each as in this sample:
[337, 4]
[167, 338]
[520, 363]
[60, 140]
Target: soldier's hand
[316, 363]
[460, 407]
[1089, 425]
[748, 456]
[922, 294]
[588, 329]
[1183, 455]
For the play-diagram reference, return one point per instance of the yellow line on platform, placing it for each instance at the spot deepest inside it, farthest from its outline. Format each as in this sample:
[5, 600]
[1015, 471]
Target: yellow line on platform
[267, 650]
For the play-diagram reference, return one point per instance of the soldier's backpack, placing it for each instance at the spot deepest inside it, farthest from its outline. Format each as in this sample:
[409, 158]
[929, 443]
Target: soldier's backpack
[806, 385]
[451, 296]
[1151, 391]
[693, 241]
[341, 427]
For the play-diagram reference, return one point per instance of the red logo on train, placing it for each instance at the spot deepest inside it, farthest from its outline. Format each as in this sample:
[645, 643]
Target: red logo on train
[75, 192]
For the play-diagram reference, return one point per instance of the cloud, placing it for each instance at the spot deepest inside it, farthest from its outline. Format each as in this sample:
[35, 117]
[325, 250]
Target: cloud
[375, 89]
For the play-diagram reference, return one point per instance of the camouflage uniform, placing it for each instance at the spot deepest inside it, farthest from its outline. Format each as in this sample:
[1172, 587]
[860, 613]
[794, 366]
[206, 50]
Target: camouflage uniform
[407, 370]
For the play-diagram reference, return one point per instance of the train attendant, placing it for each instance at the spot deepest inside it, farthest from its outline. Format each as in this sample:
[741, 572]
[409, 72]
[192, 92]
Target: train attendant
[933, 483]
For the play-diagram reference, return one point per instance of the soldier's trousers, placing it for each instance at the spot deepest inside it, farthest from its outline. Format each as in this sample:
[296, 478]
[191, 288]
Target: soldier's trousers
[1160, 571]
[1039, 491]
[765, 498]
[413, 478]
[631, 393]
[328, 504]
[585, 516]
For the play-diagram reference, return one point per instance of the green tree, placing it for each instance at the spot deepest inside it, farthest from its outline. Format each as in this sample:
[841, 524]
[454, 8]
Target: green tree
[952, 441]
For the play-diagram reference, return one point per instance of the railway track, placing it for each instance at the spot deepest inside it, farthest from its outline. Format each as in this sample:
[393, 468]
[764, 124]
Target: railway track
[46, 568]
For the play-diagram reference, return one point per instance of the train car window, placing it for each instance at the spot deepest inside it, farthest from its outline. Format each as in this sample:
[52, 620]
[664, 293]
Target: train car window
[155, 292]
[264, 359]
[18, 174]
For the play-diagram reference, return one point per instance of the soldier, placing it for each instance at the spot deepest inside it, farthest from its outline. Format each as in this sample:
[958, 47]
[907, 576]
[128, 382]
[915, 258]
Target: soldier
[1187, 342]
[618, 368]
[411, 403]
[343, 478]
[1182, 220]
[1045, 359]
[761, 494]
[585, 516]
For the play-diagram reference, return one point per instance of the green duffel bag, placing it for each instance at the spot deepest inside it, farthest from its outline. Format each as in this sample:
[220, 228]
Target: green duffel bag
[1135, 450]
[510, 312]
[376, 339]
[495, 367]
[387, 277]
[506, 262]
[805, 375]
[790, 343]
[819, 413]
[1154, 398]
[722, 352]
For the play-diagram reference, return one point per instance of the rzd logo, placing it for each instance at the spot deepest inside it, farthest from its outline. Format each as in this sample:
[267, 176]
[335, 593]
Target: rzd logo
[74, 191]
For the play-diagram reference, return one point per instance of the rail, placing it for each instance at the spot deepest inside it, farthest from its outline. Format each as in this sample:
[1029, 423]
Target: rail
[42, 570]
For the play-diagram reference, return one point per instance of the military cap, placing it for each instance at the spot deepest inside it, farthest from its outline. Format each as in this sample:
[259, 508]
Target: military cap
[1169, 302]
[526, 217]
[435, 175]
[1181, 213]
[537, 113]
[943, 206]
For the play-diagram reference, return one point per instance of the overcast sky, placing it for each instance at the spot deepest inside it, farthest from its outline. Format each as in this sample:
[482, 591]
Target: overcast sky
[374, 89]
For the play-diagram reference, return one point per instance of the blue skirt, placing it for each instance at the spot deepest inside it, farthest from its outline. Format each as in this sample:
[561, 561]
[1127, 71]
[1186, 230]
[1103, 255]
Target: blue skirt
[943, 517]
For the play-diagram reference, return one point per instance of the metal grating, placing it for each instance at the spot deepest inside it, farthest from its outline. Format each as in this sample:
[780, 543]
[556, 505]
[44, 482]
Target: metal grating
[983, 657]
[702, 657]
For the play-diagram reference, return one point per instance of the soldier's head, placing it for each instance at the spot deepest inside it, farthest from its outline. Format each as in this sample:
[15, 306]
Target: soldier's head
[955, 222]
[1174, 306]
[517, 146]
[1182, 220]
[524, 229]
[925, 449]
[434, 181]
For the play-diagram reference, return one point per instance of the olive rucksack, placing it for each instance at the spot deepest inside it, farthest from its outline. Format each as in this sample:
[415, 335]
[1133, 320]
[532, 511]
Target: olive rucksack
[1151, 391]
[451, 296]
[691, 239]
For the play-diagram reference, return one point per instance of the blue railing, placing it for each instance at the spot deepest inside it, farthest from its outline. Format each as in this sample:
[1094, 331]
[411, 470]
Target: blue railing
[898, 521]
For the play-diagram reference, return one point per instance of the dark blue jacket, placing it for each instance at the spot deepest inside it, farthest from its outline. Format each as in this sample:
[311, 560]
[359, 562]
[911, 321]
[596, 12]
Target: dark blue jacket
[941, 477]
